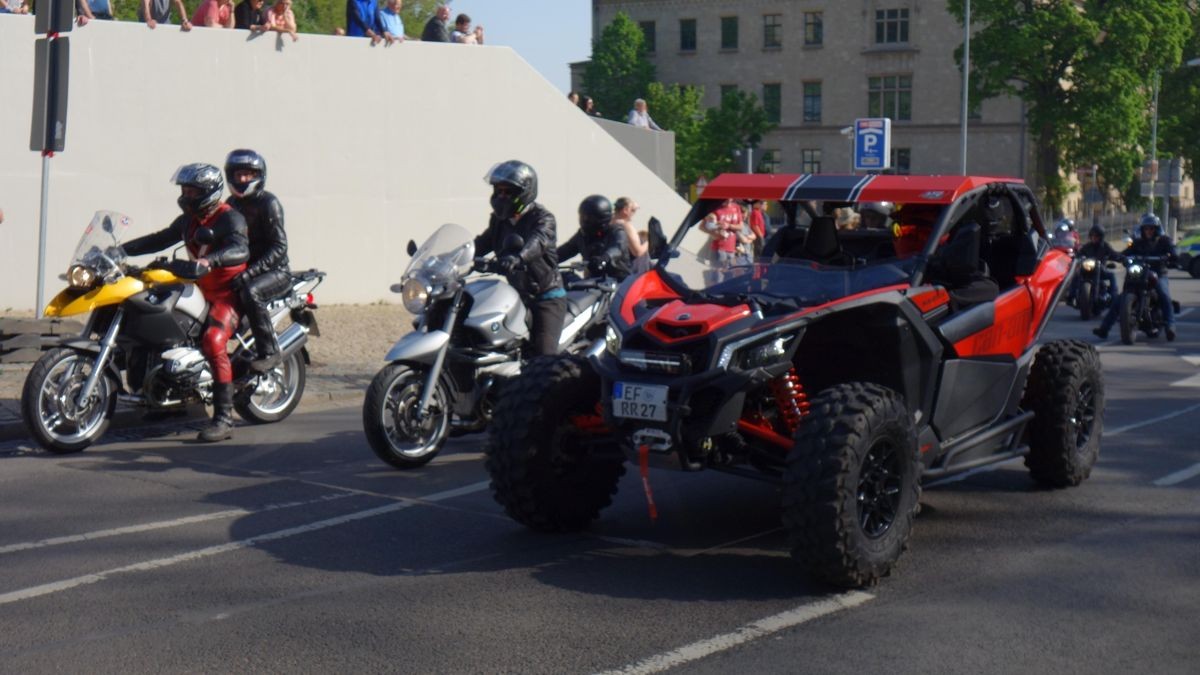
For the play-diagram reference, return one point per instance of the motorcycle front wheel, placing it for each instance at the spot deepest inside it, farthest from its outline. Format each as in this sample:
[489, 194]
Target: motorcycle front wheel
[1129, 318]
[396, 433]
[1086, 301]
[272, 396]
[49, 405]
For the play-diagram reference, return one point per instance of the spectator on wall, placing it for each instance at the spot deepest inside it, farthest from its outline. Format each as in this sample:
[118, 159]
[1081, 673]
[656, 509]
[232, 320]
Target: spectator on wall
[463, 34]
[362, 20]
[573, 97]
[436, 29]
[250, 15]
[154, 12]
[391, 23]
[18, 7]
[281, 19]
[588, 106]
[90, 10]
[214, 14]
[640, 116]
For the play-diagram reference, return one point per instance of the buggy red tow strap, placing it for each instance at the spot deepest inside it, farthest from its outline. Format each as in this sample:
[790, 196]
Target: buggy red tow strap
[644, 464]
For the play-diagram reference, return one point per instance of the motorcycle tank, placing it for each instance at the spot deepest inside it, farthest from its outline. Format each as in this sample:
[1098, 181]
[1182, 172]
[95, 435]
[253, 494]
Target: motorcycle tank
[497, 313]
[154, 317]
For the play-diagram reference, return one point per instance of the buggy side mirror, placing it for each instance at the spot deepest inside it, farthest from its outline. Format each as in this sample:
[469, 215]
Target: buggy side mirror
[411, 248]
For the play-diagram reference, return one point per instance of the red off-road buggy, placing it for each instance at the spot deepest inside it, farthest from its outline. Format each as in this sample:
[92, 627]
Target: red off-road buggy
[845, 365]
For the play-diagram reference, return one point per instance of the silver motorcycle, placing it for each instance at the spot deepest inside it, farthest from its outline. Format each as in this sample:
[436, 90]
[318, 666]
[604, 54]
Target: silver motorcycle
[443, 378]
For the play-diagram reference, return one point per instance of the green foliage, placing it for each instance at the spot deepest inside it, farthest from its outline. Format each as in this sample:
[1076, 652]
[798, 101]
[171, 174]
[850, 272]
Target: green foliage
[739, 121]
[1179, 106]
[677, 108]
[1083, 69]
[618, 72]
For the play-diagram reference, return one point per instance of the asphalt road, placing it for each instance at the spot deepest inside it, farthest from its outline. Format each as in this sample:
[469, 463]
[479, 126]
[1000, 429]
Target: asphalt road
[293, 549]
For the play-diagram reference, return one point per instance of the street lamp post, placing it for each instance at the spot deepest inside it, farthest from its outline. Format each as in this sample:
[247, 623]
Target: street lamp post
[1192, 63]
[966, 79]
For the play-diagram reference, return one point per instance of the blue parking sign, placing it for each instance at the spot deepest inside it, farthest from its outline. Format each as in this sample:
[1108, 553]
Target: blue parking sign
[872, 144]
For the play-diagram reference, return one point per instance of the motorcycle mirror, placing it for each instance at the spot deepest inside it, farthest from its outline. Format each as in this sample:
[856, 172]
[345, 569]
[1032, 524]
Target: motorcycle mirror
[412, 248]
[204, 236]
[513, 242]
[107, 224]
[396, 288]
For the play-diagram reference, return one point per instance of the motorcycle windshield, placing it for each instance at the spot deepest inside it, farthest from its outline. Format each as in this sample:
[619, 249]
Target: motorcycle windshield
[780, 285]
[446, 256]
[100, 246]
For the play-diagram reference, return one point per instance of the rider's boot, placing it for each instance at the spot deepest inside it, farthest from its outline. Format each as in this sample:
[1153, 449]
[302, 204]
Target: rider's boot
[221, 426]
[1170, 333]
[264, 339]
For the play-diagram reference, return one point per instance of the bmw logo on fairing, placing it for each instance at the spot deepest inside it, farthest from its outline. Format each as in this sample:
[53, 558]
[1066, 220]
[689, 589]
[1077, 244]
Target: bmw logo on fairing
[495, 326]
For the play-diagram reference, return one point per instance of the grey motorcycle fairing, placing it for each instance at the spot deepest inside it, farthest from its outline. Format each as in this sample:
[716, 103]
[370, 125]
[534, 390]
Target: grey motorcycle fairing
[497, 313]
[419, 347]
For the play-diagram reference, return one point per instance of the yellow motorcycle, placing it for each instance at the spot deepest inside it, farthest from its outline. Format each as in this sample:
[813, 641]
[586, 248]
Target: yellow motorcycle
[141, 344]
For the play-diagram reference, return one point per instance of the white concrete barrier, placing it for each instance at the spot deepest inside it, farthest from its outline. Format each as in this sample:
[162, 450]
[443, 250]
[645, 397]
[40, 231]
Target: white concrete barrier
[366, 146]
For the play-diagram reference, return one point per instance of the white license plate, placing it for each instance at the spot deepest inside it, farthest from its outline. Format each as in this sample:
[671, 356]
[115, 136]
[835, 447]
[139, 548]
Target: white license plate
[640, 401]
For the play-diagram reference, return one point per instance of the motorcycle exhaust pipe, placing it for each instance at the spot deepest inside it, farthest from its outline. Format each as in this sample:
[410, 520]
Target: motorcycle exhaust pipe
[292, 339]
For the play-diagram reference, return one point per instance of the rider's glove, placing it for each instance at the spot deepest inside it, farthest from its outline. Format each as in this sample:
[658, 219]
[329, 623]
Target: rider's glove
[507, 263]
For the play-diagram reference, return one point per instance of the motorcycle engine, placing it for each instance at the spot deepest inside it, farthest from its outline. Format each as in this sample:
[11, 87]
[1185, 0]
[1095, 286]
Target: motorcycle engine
[182, 374]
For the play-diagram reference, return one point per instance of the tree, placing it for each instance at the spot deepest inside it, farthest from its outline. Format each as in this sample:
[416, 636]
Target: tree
[1179, 107]
[1083, 69]
[618, 72]
[677, 108]
[739, 122]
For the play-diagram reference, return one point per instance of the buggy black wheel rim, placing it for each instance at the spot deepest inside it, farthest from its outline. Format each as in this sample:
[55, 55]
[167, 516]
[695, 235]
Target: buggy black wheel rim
[879, 482]
[1084, 416]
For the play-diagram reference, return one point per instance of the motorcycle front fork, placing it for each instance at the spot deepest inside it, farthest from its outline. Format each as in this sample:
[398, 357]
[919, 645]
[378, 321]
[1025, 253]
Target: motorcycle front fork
[435, 371]
[106, 346]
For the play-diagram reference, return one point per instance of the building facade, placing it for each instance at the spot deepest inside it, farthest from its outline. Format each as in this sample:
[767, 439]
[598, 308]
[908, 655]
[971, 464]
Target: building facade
[817, 65]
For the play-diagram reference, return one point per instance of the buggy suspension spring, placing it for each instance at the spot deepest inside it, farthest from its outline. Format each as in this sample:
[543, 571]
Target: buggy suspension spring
[791, 399]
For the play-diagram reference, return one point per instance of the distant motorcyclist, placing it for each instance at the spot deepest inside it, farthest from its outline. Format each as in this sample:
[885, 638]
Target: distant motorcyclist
[874, 215]
[603, 245]
[267, 276]
[1097, 249]
[1150, 242]
[532, 270]
[1064, 235]
[220, 262]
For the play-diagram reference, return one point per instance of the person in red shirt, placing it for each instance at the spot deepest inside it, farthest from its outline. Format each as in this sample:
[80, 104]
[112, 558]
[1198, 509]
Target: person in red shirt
[758, 225]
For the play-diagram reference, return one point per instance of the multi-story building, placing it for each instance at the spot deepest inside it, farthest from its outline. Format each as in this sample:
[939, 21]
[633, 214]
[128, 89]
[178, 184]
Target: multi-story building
[816, 65]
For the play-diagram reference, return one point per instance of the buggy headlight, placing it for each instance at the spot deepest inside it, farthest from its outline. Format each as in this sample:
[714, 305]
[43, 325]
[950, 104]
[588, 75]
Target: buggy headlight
[1089, 265]
[81, 277]
[415, 295]
[743, 356]
[612, 340]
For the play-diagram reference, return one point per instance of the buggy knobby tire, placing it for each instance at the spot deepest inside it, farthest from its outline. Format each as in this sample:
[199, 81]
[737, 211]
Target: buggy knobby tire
[541, 474]
[1066, 394]
[835, 484]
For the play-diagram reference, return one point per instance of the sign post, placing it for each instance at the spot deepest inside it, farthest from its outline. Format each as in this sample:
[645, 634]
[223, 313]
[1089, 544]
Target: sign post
[872, 144]
[48, 133]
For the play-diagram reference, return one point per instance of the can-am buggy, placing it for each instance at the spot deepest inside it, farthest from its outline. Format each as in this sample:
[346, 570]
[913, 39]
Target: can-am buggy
[844, 365]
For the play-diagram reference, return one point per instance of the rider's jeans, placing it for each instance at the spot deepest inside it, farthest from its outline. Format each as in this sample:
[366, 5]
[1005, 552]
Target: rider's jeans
[1164, 296]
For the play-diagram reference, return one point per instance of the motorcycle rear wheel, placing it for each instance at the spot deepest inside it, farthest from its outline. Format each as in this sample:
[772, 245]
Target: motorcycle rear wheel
[395, 434]
[275, 393]
[47, 401]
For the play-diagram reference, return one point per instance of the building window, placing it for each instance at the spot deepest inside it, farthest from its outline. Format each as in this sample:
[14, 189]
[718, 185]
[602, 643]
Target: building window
[727, 89]
[772, 31]
[810, 161]
[729, 32]
[891, 26]
[687, 35]
[901, 159]
[769, 162]
[890, 96]
[650, 32]
[773, 102]
[812, 101]
[814, 29]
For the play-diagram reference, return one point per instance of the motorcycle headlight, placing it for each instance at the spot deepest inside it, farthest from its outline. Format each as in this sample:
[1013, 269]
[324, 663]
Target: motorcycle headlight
[81, 277]
[1089, 265]
[1135, 270]
[415, 295]
[612, 340]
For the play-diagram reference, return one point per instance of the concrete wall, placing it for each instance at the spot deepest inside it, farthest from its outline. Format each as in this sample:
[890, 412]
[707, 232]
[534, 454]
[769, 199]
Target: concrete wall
[655, 149]
[367, 146]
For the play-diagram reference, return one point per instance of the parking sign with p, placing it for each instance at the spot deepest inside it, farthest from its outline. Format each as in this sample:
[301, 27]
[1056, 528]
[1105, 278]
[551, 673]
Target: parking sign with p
[872, 144]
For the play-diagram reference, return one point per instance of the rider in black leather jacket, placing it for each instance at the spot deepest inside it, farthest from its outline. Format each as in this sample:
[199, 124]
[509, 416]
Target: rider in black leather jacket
[533, 269]
[267, 276]
[603, 245]
[1150, 242]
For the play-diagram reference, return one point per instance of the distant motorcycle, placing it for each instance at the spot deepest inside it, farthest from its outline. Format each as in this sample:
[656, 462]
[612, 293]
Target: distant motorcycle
[444, 377]
[1096, 290]
[1141, 306]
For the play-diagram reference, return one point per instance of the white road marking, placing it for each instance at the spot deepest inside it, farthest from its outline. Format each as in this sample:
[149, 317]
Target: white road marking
[1184, 313]
[67, 584]
[1193, 381]
[163, 524]
[1145, 423]
[1179, 476]
[1193, 359]
[967, 474]
[744, 634]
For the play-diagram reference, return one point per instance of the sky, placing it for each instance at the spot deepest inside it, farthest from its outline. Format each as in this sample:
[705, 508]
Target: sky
[548, 34]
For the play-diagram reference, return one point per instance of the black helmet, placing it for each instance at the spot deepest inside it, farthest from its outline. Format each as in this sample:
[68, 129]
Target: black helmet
[245, 160]
[1065, 225]
[1096, 230]
[595, 213]
[1150, 220]
[207, 183]
[521, 182]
